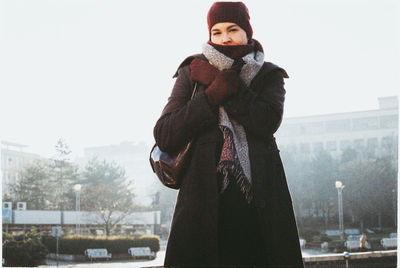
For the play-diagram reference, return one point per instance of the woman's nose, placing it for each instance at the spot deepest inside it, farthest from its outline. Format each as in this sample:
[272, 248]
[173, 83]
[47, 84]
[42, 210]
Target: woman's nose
[226, 38]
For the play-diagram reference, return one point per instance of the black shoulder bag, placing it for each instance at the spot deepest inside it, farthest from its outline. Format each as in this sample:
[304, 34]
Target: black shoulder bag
[169, 167]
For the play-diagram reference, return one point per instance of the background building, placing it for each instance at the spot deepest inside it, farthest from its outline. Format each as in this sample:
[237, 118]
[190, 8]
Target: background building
[374, 130]
[13, 160]
[90, 222]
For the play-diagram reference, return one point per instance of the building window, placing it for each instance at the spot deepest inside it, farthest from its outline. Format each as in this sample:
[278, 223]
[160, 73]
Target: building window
[358, 144]
[389, 121]
[387, 141]
[288, 130]
[372, 143]
[337, 125]
[5, 177]
[10, 162]
[318, 146]
[305, 147]
[312, 128]
[331, 146]
[344, 144]
[365, 123]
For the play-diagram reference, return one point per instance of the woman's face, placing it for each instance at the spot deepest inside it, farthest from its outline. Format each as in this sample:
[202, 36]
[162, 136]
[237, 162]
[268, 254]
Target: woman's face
[228, 34]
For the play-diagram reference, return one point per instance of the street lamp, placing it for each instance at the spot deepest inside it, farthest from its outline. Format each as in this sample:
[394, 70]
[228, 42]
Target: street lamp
[77, 189]
[394, 206]
[339, 186]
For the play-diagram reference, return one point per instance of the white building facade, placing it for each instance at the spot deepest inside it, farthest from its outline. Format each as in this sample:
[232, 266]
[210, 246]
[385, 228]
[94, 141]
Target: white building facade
[13, 161]
[375, 131]
[89, 221]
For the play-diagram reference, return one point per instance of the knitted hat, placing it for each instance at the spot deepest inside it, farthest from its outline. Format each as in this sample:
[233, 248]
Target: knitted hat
[235, 12]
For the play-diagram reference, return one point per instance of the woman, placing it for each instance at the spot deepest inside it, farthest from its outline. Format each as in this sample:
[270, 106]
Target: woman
[234, 208]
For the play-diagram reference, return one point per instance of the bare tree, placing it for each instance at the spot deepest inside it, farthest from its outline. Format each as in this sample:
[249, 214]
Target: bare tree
[107, 191]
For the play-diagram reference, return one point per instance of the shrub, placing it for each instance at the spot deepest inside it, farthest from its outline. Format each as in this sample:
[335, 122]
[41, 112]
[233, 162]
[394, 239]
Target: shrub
[337, 246]
[26, 253]
[76, 245]
[308, 234]
[325, 238]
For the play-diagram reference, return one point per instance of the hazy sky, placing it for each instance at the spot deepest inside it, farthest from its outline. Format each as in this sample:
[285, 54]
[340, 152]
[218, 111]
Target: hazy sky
[100, 72]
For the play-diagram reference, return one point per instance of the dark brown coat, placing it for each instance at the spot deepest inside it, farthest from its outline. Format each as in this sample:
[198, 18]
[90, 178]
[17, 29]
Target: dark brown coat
[193, 237]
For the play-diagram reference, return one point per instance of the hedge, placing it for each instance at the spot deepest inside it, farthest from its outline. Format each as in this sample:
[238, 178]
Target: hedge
[308, 234]
[23, 251]
[76, 245]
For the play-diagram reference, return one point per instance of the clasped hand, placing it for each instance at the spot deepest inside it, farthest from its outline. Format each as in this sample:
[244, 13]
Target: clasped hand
[221, 84]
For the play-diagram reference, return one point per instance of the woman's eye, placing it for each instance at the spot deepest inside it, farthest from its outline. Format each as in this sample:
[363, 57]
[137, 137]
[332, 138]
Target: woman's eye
[233, 30]
[216, 33]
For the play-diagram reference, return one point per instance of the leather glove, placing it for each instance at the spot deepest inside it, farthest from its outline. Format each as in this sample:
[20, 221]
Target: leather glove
[202, 72]
[225, 84]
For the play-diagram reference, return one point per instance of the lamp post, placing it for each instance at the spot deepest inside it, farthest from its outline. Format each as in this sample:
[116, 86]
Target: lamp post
[394, 206]
[77, 189]
[339, 186]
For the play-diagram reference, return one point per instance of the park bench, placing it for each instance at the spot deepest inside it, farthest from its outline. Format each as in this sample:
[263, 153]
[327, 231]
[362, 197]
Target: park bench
[332, 232]
[97, 253]
[352, 231]
[353, 242]
[389, 242]
[142, 252]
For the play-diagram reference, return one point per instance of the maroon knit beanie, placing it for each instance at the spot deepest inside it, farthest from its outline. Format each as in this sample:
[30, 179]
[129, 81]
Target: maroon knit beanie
[235, 12]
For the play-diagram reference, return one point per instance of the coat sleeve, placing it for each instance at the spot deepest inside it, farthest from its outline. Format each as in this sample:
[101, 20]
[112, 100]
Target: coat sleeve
[183, 117]
[260, 108]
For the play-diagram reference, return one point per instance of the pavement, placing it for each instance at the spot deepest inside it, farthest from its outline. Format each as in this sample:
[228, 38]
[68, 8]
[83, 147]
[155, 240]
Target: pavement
[100, 264]
[312, 252]
[158, 261]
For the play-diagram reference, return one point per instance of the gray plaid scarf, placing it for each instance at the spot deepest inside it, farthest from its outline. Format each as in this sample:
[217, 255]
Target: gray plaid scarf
[234, 160]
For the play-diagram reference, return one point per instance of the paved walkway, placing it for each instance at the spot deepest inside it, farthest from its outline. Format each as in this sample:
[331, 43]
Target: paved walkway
[137, 263]
[109, 264]
[312, 252]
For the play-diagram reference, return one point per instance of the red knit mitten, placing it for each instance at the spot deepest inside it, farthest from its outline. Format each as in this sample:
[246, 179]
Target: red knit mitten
[226, 83]
[202, 72]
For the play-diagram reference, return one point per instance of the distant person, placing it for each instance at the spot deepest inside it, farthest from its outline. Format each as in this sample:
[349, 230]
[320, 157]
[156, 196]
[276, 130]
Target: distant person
[234, 208]
[363, 242]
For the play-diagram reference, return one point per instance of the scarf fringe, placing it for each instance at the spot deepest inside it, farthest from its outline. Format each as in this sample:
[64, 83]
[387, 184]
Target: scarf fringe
[232, 168]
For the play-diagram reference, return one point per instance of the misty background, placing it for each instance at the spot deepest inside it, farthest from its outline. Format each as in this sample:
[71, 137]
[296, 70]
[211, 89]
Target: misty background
[99, 72]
